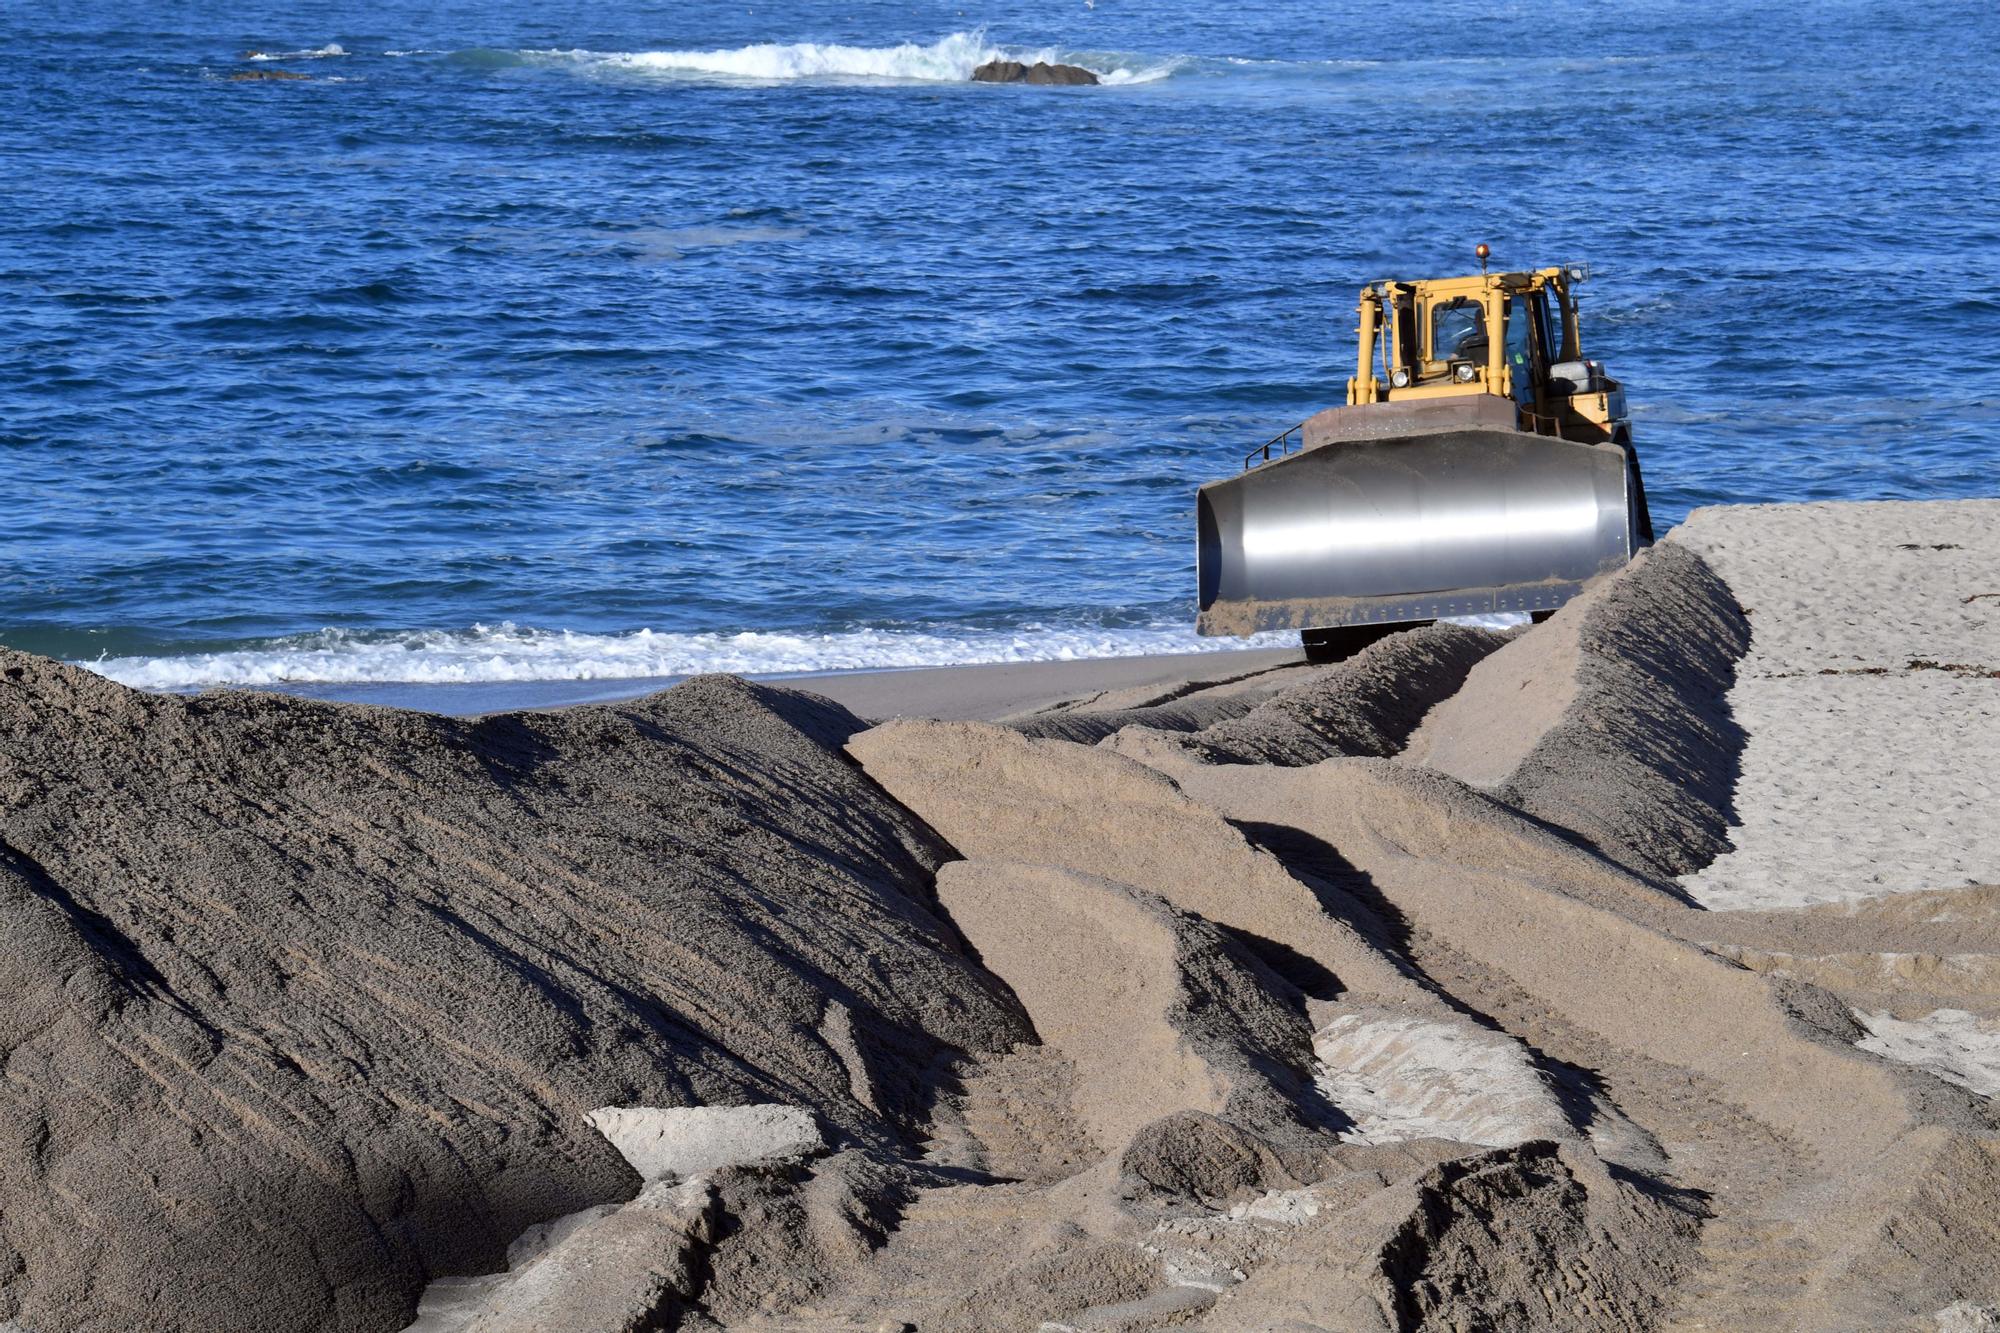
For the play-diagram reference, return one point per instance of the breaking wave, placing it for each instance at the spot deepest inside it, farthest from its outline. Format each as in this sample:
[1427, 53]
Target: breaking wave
[510, 653]
[317, 53]
[950, 59]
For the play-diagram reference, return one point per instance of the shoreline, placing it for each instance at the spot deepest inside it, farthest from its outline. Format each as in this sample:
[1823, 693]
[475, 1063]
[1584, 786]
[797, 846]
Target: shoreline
[979, 692]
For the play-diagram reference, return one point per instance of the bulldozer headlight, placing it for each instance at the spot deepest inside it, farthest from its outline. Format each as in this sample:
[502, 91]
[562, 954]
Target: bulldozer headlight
[1399, 378]
[1463, 372]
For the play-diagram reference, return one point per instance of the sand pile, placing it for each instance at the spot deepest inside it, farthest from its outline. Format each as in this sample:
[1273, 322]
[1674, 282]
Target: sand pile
[1157, 1011]
[1477, 982]
[1077, 817]
[1182, 706]
[306, 1004]
[1368, 704]
[1610, 721]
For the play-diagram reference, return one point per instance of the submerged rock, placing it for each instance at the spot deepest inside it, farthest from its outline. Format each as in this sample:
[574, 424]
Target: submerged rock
[1013, 71]
[262, 75]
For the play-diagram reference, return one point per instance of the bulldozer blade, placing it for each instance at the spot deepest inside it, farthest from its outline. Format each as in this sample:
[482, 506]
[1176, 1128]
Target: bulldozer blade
[1410, 528]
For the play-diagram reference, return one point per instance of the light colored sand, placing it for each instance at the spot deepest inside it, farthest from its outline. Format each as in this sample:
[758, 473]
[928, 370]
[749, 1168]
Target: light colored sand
[1843, 584]
[675, 1142]
[1865, 772]
[594, 1260]
[1403, 1076]
[1968, 1317]
[1957, 1046]
[1900, 791]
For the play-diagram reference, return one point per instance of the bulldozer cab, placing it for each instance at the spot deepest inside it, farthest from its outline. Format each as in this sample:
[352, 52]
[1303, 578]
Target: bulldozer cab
[1428, 340]
[1481, 463]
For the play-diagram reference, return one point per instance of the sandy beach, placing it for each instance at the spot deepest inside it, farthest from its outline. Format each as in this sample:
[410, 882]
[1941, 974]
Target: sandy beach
[1635, 970]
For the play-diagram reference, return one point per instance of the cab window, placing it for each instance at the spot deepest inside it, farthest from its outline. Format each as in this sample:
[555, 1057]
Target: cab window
[1458, 330]
[1519, 344]
[1552, 320]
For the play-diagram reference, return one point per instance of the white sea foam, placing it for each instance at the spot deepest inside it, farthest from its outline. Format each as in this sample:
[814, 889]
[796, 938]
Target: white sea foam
[317, 53]
[950, 59]
[506, 653]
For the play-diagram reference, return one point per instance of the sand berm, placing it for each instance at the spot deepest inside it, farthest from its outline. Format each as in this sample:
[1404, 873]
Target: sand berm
[1481, 981]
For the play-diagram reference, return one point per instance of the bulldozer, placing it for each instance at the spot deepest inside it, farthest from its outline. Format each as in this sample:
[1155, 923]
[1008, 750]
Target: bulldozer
[1481, 464]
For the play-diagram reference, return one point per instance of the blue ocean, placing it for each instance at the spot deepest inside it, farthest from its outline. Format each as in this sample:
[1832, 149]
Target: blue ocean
[620, 339]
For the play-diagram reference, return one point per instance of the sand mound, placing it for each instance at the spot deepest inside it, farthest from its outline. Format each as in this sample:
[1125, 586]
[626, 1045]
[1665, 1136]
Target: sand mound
[306, 1004]
[996, 795]
[1156, 1010]
[1610, 720]
[1367, 705]
[1561, 938]
[1521, 925]
[1523, 1238]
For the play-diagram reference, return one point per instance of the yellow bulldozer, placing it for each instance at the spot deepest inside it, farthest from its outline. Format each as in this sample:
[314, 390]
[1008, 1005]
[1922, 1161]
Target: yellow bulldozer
[1481, 464]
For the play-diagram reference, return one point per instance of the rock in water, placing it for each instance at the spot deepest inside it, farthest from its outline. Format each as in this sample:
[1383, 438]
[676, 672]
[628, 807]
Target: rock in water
[1001, 71]
[1013, 71]
[266, 76]
[1060, 75]
[305, 1004]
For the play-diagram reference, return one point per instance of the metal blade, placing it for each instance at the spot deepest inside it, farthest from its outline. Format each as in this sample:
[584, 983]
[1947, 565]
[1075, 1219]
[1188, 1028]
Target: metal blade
[1410, 528]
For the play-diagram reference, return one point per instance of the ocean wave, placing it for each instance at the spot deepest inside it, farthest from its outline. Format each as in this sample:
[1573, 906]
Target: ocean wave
[950, 59]
[512, 653]
[509, 653]
[317, 53]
